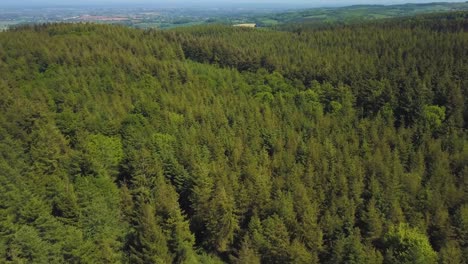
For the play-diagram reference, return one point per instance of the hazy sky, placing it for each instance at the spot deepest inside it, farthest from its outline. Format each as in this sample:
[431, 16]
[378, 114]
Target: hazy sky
[179, 3]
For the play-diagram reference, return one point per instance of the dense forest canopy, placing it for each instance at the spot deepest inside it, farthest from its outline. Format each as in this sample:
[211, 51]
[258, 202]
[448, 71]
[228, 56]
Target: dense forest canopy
[213, 144]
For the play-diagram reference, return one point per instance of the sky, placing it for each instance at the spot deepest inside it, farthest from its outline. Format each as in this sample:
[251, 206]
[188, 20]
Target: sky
[217, 3]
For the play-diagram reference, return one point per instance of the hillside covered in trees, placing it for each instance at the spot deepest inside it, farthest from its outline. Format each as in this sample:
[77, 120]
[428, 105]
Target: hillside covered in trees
[214, 144]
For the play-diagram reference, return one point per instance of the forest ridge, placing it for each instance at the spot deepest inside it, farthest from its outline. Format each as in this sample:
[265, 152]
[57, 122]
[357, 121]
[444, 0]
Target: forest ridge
[215, 144]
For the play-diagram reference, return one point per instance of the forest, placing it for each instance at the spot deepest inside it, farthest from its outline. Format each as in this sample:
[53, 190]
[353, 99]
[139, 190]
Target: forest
[218, 144]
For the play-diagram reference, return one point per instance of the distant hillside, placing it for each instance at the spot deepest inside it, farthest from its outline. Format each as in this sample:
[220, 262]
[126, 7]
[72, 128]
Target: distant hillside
[357, 13]
[150, 17]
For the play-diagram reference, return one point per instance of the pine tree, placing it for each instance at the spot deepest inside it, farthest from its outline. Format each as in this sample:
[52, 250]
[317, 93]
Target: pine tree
[148, 243]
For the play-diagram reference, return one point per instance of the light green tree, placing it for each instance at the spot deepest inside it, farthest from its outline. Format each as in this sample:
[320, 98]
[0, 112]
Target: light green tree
[405, 244]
